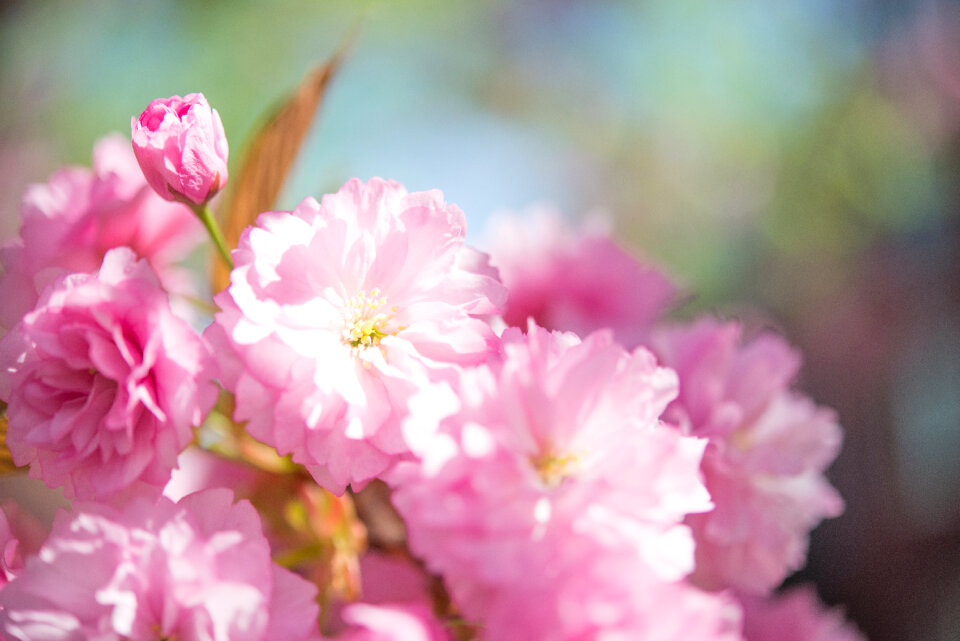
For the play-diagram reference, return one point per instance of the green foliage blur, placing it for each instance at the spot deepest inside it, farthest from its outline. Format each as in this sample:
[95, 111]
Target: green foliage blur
[716, 134]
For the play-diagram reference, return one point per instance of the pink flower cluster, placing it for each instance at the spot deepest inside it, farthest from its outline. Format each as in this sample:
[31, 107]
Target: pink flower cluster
[575, 279]
[599, 476]
[796, 615]
[103, 382]
[768, 447]
[395, 607]
[69, 223]
[339, 312]
[197, 569]
[552, 502]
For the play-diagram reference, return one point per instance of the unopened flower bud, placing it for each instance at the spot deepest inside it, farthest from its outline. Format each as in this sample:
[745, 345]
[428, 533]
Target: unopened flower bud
[181, 148]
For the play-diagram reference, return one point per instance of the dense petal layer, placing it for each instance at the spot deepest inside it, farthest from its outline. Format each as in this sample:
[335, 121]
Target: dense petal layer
[70, 222]
[104, 383]
[552, 502]
[575, 278]
[197, 569]
[797, 615]
[768, 447]
[339, 312]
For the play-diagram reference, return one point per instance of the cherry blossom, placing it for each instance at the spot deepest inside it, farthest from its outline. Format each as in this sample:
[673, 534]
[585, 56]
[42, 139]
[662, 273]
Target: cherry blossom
[552, 502]
[339, 311]
[70, 222]
[796, 615]
[104, 382]
[575, 277]
[196, 569]
[768, 448]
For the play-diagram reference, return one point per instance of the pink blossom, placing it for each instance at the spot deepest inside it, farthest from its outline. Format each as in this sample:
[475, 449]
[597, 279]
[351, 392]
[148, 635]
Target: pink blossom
[392, 579]
[552, 502]
[393, 622]
[797, 615]
[199, 469]
[574, 278]
[338, 312]
[768, 447]
[647, 608]
[181, 148]
[21, 535]
[103, 382]
[196, 569]
[70, 222]
[11, 560]
[396, 604]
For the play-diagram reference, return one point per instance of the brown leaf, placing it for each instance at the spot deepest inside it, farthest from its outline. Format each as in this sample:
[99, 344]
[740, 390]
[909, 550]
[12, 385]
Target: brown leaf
[6, 460]
[269, 158]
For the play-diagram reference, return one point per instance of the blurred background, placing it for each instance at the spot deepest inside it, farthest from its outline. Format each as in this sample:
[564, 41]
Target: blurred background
[792, 161]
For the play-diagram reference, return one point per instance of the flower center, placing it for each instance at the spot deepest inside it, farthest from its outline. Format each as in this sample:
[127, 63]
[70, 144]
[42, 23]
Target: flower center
[366, 317]
[553, 468]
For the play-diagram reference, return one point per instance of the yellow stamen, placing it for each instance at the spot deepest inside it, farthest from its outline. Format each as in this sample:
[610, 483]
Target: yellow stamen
[553, 468]
[366, 324]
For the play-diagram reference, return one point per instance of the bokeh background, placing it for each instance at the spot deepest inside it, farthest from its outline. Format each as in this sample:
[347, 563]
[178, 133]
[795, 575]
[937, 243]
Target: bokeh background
[789, 161]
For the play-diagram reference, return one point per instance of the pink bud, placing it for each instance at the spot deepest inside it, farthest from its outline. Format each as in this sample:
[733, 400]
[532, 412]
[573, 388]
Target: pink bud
[181, 148]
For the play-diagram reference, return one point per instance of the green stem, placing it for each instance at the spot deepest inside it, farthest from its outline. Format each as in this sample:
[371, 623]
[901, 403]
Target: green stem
[206, 217]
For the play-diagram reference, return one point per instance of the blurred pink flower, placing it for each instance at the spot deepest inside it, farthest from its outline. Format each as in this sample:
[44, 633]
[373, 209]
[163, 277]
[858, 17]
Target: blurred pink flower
[552, 503]
[70, 222]
[797, 615]
[574, 278]
[21, 535]
[392, 579]
[181, 148]
[768, 447]
[392, 622]
[338, 312]
[11, 561]
[199, 469]
[396, 604]
[103, 382]
[197, 569]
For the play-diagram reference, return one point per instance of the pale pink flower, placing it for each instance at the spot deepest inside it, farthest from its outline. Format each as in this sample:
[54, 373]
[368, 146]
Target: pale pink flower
[197, 569]
[796, 615]
[338, 312]
[392, 579]
[69, 223]
[392, 622]
[103, 382]
[396, 604]
[680, 611]
[21, 535]
[633, 605]
[554, 499]
[11, 560]
[199, 469]
[600, 595]
[768, 448]
[181, 148]
[393, 588]
[574, 277]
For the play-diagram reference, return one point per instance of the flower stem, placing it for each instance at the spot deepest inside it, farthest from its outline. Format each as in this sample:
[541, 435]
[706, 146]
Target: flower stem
[206, 217]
